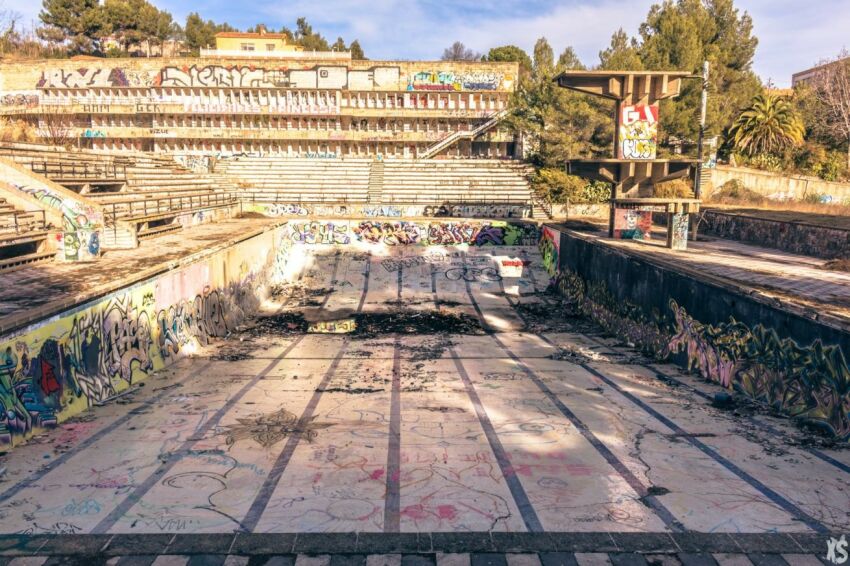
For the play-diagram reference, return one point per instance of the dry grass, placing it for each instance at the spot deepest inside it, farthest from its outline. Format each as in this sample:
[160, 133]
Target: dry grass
[735, 198]
[837, 265]
[830, 215]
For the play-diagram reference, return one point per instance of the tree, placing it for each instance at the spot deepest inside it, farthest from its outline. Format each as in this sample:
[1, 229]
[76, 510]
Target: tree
[681, 35]
[569, 61]
[199, 33]
[356, 51]
[768, 126]
[459, 52]
[621, 55]
[543, 64]
[80, 23]
[307, 38]
[339, 45]
[511, 54]
[556, 124]
[832, 89]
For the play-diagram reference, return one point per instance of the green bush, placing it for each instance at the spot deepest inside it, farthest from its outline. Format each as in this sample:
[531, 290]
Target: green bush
[766, 162]
[558, 187]
[833, 167]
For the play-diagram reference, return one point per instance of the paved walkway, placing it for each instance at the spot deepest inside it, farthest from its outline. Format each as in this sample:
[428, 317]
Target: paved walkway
[792, 279]
[27, 294]
[537, 426]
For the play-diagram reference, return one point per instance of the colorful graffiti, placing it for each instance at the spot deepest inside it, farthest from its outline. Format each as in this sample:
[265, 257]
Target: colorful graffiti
[679, 232]
[550, 244]
[638, 132]
[449, 81]
[319, 232]
[76, 215]
[810, 383]
[81, 245]
[56, 368]
[632, 224]
[447, 233]
[257, 77]
[396, 210]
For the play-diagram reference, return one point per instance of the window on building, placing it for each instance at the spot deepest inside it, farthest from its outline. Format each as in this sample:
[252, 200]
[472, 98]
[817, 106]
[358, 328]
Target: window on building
[269, 46]
[247, 47]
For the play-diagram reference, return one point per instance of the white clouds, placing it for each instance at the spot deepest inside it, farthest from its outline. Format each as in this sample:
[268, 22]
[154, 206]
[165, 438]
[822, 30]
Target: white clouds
[793, 34]
[412, 29]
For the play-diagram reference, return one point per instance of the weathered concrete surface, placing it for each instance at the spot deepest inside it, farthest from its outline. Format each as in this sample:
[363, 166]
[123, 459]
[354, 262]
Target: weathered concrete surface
[796, 283]
[802, 238]
[545, 427]
[36, 292]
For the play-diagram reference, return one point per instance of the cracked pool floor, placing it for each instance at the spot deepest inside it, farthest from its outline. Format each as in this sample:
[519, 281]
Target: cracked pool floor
[502, 413]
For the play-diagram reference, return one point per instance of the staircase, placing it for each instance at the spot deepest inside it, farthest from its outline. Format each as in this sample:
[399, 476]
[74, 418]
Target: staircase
[471, 134]
[376, 182]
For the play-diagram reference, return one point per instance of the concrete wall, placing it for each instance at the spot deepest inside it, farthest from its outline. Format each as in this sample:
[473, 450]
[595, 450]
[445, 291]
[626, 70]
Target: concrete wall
[404, 232]
[391, 210]
[55, 368]
[794, 237]
[794, 364]
[26, 77]
[778, 186]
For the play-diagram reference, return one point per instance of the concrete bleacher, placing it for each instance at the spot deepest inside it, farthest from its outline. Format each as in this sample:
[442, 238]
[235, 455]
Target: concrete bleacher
[145, 200]
[469, 181]
[430, 182]
[273, 179]
[23, 235]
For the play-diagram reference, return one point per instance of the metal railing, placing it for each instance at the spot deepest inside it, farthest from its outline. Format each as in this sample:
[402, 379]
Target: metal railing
[142, 208]
[112, 171]
[22, 221]
[334, 55]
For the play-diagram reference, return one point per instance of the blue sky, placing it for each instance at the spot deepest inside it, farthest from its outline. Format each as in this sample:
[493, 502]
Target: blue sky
[793, 34]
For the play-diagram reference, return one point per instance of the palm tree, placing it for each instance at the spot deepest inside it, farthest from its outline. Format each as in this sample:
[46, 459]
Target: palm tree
[769, 125]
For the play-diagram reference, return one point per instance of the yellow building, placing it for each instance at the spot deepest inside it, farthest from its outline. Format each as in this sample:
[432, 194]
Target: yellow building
[247, 43]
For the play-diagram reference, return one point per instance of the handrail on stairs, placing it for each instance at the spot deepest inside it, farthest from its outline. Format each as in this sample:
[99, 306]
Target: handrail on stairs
[454, 136]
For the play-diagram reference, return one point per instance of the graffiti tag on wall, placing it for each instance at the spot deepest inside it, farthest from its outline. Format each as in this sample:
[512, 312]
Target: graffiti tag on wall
[638, 132]
[62, 366]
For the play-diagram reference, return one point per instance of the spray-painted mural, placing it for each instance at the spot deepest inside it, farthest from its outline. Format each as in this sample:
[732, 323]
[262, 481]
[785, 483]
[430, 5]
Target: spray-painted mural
[630, 224]
[325, 77]
[550, 243]
[402, 233]
[638, 132]
[56, 368]
[810, 383]
[82, 223]
[449, 81]
[394, 210]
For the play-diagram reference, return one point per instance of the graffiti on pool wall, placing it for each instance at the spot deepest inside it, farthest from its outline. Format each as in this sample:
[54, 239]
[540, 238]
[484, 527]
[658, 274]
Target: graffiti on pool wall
[65, 364]
[446, 233]
[319, 232]
[811, 383]
[550, 242]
